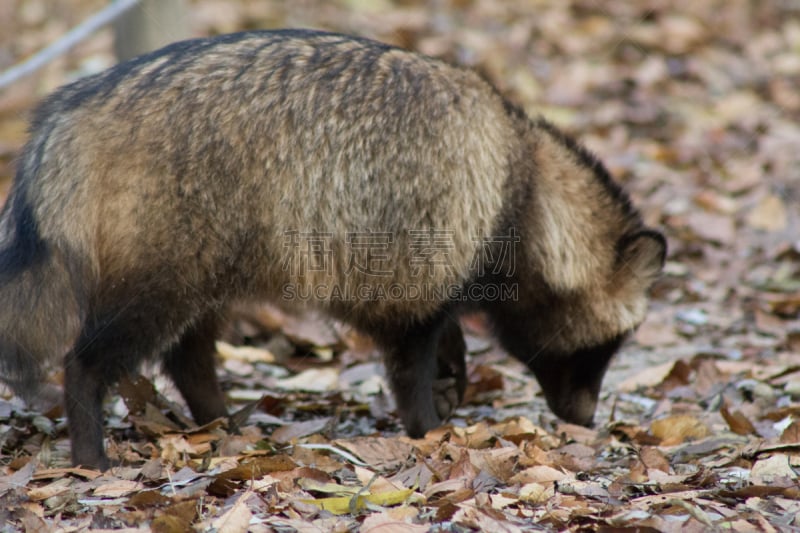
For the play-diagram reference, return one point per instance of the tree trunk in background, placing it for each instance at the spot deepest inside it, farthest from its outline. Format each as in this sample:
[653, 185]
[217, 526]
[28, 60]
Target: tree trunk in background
[148, 26]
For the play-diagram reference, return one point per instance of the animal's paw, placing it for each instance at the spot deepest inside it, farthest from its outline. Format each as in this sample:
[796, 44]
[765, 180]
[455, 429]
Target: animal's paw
[446, 396]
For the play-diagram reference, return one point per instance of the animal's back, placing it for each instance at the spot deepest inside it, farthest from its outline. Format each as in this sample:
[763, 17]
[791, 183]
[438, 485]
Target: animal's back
[236, 144]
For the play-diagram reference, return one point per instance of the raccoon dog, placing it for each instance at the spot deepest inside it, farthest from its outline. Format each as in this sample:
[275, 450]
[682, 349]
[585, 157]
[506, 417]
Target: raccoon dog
[389, 189]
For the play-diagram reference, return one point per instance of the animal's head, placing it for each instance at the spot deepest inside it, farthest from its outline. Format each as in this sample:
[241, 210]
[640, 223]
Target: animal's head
[582, 331]
[567, 337]
[587, 265]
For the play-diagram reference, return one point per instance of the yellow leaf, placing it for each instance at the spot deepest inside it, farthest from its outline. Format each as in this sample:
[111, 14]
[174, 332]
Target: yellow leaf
[327, 488]
[337, 505]
[348, 504]
[390, 497]
[676, 429]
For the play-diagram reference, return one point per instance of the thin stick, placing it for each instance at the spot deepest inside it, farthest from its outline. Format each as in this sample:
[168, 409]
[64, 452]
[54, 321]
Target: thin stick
[65, 43]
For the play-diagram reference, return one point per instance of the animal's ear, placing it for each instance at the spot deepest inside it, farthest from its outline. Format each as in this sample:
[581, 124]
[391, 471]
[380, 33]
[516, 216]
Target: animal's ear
[641, 258]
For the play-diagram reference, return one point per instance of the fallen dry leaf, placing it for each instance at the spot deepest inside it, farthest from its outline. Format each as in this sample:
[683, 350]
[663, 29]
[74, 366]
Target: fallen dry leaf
[677, 429]
[738, 423]
[769, 214]
[693, 106]
[237, 518]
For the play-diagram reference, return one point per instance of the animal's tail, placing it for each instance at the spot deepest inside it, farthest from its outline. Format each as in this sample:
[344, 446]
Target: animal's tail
[39, 314]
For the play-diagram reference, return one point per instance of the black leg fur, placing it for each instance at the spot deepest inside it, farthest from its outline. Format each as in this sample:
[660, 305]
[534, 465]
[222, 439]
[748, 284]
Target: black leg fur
[105, 351]
[448, 389]
[418, 360]
[114, 341]
[190, 364]
[85, 386]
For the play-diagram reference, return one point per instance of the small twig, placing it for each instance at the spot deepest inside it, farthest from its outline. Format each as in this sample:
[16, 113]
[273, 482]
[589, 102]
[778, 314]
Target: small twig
[65, 43]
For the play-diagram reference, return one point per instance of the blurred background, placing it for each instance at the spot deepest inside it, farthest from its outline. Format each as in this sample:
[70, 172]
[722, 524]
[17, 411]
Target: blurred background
[692, 104]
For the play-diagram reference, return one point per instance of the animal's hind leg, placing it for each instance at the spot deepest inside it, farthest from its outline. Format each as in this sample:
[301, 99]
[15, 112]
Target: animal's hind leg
[113, 342]
[107, 349]
[190, 364]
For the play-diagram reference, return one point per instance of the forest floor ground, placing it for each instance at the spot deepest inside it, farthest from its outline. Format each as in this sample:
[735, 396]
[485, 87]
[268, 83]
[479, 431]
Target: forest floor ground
[693, 106]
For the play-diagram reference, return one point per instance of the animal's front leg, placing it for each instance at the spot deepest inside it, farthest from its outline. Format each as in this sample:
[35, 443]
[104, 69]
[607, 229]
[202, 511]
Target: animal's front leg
[412, 365]
[451, 380]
